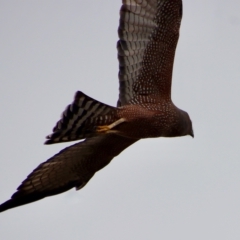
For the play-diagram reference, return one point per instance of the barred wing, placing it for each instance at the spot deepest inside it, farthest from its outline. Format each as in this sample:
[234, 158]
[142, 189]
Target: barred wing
[148, 34]
[72, 167]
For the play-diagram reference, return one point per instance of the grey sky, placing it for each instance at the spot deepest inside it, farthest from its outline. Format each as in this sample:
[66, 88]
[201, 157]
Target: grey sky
[169, 189]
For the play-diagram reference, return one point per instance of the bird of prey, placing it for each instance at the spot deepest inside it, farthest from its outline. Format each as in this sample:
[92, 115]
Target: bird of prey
[148, 34]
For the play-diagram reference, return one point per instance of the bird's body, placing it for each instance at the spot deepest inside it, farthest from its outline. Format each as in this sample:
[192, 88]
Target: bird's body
[159, 120]
[148, 34]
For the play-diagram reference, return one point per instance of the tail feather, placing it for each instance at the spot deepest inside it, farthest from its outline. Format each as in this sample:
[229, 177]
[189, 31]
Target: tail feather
[80, 119]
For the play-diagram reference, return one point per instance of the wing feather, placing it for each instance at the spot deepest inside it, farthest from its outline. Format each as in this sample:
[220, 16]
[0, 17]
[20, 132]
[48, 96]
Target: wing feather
[72, 167]
[148, 34]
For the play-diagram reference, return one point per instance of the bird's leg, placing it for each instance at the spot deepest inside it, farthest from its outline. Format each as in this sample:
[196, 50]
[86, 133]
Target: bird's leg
[107, 128]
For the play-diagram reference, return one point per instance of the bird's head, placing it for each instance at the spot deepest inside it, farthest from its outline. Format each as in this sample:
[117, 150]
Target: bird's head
[185, 124]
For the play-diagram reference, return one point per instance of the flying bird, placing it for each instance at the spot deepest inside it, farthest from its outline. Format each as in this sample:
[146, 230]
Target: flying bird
[148, 35]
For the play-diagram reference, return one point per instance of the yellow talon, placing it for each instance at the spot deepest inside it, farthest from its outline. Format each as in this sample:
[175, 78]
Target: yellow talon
[106, 128]
[101, 129]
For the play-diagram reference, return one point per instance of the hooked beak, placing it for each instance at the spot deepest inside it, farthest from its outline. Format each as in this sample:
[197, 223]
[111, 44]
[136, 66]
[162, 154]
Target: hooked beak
[191, 133]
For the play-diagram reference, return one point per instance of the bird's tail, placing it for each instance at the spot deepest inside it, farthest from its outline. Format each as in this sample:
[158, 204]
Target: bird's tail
[81, 118]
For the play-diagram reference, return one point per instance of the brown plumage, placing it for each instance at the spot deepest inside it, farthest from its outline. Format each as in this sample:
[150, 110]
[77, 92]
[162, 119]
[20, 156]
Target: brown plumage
[148, 34]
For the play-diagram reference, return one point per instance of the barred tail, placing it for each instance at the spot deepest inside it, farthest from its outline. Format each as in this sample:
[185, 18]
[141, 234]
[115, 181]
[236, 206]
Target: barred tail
[80, 119]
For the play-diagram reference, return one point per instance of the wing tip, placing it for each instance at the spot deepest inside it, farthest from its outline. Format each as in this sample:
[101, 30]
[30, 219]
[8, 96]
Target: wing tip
[12, 203]
[6, 205]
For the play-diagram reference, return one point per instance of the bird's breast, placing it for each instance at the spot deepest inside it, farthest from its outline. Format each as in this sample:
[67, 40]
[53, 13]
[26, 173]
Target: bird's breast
[141, 122]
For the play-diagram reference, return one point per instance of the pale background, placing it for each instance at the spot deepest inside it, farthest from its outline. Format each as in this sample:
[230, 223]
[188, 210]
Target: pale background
[170, 189]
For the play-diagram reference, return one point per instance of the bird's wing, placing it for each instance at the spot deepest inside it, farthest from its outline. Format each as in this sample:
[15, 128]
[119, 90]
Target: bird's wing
[72, 167]
[148, 34]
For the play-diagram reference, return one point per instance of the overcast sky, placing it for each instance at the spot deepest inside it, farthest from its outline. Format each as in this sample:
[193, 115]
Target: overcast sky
[170, 189]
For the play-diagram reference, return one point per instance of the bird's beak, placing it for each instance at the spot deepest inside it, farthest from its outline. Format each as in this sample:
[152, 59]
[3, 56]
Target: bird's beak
[191, 133]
